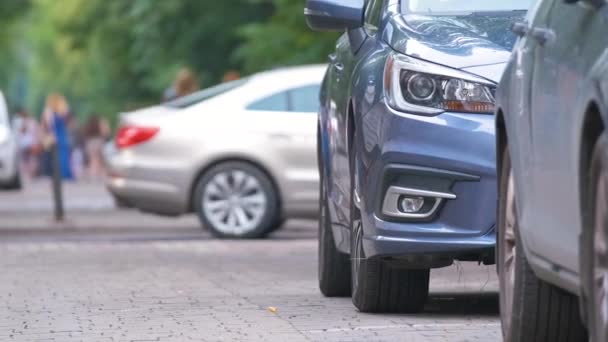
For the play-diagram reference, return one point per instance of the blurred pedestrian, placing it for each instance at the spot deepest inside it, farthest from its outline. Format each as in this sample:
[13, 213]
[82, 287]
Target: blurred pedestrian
[96, 133]
[231, 75]
[26, 130]
[56, 118]
[185, 84]
[77, 158]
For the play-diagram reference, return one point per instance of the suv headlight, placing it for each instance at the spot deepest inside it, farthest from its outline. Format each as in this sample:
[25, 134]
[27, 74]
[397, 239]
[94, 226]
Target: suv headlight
[418, 87]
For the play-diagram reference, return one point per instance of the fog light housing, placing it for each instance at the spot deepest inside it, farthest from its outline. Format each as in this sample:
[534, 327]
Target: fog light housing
[412, 205]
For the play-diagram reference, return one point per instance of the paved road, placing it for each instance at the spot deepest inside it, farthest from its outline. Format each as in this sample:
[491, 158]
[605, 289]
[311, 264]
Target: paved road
[121, 276]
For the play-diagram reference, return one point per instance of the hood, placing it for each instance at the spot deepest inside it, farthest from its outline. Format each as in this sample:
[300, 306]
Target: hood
[454, 41]
[492, 72]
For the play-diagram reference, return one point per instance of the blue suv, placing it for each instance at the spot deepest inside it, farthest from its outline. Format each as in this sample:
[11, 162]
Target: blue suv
[406, 143]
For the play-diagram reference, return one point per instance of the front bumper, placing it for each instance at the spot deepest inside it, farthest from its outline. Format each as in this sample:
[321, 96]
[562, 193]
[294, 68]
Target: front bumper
[449, 153]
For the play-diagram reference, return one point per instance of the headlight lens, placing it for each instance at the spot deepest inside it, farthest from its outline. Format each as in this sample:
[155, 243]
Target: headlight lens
[419, 87]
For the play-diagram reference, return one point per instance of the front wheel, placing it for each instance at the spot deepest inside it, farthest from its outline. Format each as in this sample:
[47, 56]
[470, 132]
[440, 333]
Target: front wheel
[597, 211]
[377, 285]
[334, 267]
[531, 309]
[237, 200]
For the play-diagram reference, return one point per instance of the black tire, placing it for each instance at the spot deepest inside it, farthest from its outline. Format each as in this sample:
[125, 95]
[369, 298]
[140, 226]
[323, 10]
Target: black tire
[334, 266]
[538, 311]
[271, 216]
[597, 189]
[15, 183]
[377, 285]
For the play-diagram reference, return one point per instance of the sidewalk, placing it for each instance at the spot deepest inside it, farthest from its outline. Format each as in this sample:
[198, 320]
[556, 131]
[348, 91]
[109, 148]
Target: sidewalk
[88, 207]
[90, 213]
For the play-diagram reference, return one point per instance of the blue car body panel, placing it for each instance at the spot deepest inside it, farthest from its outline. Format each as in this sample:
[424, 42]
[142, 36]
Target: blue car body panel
[452, 151]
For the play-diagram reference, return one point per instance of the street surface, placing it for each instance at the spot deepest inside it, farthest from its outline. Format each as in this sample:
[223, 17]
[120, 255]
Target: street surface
[109, 275]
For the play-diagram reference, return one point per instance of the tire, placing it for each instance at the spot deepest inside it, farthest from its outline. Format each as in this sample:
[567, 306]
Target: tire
[334, 266]
[596, 218]
[15, 183]
[531, 309]
[236, 200]
[377, 285]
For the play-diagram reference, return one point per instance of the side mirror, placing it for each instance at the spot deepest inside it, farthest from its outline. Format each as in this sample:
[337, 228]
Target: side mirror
[334, 15]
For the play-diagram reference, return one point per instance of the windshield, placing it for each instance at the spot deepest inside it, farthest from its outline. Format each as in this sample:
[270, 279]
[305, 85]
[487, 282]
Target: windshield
[453, 7]
[205, 94]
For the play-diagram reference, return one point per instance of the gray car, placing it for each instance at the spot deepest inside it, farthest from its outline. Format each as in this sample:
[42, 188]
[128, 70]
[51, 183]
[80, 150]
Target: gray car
[241, 155]
[553, 169]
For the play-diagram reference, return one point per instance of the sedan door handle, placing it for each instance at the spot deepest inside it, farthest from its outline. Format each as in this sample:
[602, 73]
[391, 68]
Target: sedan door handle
[542, 35]
[520, 29]
[339, 67]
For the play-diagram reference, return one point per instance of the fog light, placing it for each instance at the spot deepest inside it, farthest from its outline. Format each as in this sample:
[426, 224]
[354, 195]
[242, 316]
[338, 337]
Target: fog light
[412, 205]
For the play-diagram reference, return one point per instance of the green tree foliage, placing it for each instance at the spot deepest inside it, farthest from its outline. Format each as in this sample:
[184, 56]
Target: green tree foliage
[11, 11]
[283, 40]
[114, 55]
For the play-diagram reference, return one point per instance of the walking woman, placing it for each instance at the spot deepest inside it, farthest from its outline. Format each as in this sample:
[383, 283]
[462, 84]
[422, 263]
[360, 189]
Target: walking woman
[96, 133]
[56, 119]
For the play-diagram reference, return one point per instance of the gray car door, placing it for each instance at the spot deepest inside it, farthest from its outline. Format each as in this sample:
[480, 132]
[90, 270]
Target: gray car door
[519, 114]
[566, 44]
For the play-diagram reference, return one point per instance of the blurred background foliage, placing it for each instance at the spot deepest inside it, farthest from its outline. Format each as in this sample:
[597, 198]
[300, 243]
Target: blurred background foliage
[109, 56]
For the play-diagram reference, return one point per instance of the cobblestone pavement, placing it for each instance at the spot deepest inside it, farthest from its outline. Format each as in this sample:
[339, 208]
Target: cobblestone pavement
[108, 284]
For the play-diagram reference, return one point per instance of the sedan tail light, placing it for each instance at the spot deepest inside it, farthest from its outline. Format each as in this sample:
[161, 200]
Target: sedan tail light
[130, 135]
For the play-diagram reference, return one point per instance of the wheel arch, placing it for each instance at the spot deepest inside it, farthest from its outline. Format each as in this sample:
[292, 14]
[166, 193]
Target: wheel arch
[350, 125]
[592, 128]
[501, 139]
[234, 158]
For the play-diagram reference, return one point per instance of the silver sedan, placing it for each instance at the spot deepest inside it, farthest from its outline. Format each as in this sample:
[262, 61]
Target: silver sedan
[241, 155]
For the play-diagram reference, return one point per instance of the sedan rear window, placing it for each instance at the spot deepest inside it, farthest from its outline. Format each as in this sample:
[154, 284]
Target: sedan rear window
[445, 7]
[206, 94]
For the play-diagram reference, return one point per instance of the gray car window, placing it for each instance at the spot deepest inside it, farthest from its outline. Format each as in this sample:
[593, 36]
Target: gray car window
[273, 103]
[305, 99]
[206, 94]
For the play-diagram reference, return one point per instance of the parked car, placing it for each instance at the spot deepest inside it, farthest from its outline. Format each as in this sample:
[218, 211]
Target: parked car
[241, 155]
[9, 166]
[406, 136]
[553, 169]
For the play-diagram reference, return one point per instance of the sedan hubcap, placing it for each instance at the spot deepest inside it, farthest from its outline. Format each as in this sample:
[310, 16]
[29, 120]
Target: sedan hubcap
[600, 263]
[234, 202]
[509, 251]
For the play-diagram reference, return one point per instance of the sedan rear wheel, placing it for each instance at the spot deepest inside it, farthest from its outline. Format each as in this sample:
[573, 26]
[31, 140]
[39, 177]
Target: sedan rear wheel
[531, 309]
[237, 200]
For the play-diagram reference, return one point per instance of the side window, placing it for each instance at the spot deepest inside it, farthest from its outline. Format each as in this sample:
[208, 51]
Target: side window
[273, 103]
[373, 15]
[304, 99]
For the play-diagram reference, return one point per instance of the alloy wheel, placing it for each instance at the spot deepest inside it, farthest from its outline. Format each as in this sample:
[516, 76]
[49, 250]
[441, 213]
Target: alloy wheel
[234, 202]
[600, 258]
[356, 252]
[508, 252]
